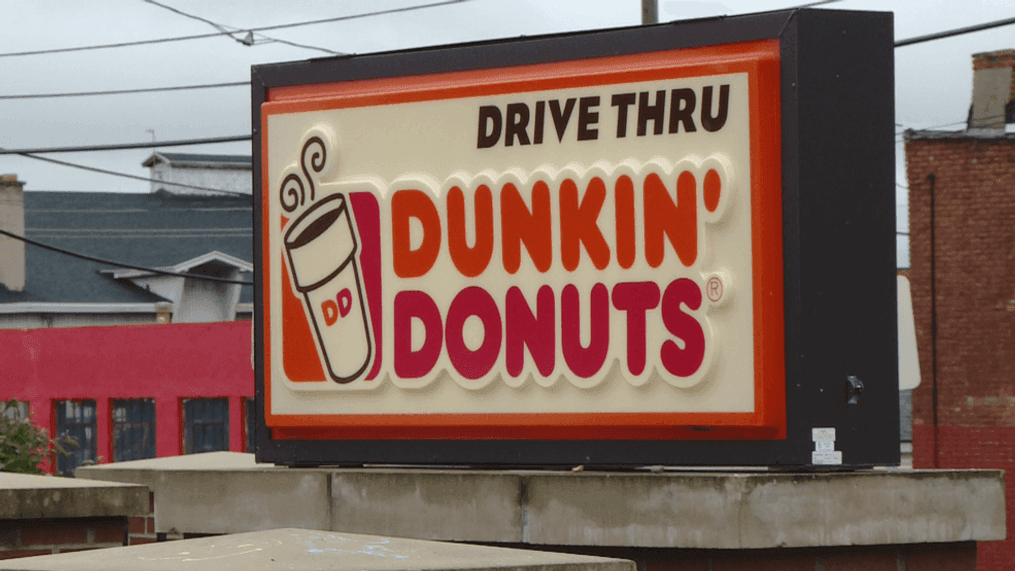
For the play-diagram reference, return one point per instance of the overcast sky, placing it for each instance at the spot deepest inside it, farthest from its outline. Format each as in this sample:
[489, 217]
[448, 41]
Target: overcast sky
[933, 80]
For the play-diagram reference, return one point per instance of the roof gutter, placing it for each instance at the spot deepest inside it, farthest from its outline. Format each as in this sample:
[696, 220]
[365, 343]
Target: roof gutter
[60, 307]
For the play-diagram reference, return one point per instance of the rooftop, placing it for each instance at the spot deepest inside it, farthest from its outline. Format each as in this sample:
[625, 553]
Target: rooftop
[978, 134]
[191, 160]
[148, 230]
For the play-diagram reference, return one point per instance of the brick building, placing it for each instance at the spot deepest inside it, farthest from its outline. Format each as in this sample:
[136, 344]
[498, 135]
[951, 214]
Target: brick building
[962, 241]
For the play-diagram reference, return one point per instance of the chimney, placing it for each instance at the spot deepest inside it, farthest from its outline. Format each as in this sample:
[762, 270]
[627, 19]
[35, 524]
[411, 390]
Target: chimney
[993, 84]
[12, 219]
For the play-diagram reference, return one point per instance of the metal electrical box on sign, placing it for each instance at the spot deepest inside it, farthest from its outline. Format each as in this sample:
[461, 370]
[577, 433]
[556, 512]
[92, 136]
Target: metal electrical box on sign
[670, 244]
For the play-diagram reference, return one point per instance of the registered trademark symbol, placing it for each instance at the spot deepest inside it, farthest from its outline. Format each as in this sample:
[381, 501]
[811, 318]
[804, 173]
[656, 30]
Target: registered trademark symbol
[714, 289]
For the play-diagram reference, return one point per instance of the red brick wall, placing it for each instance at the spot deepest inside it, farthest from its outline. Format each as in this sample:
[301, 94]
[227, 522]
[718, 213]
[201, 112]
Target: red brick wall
[141, 530]
[974, 259]
[27, 537]
[979, 447]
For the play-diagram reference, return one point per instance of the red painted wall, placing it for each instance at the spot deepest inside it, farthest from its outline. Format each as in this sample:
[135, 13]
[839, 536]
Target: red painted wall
[166, 363]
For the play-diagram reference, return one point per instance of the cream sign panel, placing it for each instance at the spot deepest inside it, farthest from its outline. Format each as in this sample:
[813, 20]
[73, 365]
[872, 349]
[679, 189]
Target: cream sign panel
[579, 249]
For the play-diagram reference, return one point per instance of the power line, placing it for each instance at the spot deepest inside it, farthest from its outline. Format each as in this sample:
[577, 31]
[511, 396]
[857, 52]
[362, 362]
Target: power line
[130, 176]
[28, 152]
[127, 146]
[987, 118]
[216, 34]
[229, 139]
[247, 41]
[44, 246]
[244, 83]
[812, 4]
[125, 91]
[955, 32]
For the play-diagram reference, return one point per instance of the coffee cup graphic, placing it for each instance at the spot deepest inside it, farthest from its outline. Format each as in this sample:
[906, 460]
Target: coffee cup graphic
[321, 246]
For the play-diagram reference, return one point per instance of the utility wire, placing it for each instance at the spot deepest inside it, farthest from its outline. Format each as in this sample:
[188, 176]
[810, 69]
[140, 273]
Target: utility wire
[987, 118]
[44, 246]
[127, 146]
[955, 32]
[811, 4]
[247, 41]
[130, 176]
[213, 35]
[25, 152]
[241, 138]
[124, 91]
[900, 43]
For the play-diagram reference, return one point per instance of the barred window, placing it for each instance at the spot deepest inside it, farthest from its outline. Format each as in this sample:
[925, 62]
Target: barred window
[133, 429]
[205, 425]
[76, 418]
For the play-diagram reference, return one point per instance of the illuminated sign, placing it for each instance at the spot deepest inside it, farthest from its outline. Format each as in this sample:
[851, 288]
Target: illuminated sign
[580, 247]
[558, 250]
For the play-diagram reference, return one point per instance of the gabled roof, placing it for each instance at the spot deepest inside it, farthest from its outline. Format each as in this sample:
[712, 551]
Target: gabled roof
[190, 160]
[149, 230]
[211, 258]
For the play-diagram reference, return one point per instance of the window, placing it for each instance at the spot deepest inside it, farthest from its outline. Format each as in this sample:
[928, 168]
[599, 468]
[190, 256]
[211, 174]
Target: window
[133, 429]
[18, 411]
[250, 421]
[76, 418]
[205, 425]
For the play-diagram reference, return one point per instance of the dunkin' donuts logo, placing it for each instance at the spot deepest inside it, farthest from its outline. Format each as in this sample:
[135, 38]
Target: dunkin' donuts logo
[575, 273]
[573, 250]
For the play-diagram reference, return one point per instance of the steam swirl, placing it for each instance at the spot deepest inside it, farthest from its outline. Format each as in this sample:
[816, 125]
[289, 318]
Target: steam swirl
[288, 191]
[292, 193]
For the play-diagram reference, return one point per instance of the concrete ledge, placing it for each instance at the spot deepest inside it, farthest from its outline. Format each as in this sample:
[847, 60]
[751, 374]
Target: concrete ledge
[146, 472]
[26, 496]
[707, 510]
[225, 492]
[298, 549]
[431, 504]
[760, 510]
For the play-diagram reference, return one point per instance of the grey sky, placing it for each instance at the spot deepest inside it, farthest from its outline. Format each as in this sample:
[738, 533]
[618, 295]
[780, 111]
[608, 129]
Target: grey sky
[933, 80]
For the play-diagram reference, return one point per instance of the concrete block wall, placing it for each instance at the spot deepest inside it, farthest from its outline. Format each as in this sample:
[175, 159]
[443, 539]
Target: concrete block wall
[878, 519]
[28, 537]
[964, 408]
[42, 515]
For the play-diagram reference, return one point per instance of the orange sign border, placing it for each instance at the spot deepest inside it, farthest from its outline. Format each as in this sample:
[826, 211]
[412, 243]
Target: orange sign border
[760, 60]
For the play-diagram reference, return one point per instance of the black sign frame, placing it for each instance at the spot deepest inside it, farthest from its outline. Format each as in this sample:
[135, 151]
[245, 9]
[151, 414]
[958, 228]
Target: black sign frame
[838, 168]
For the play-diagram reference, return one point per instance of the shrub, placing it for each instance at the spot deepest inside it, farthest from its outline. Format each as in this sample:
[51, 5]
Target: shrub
[25, 447]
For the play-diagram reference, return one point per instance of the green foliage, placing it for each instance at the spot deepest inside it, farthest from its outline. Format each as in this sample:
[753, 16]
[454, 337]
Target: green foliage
[26, 447]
